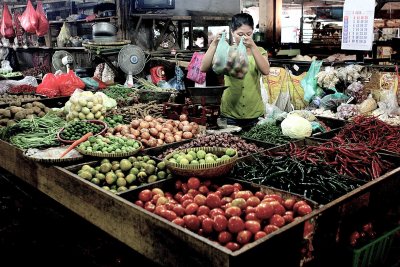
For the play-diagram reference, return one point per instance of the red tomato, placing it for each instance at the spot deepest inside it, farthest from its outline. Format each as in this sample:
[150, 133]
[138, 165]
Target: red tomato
[202, 217]
[251, 217]
[178, 196]
[308, 229]
[260, 195]
[168, 195]
[193, 183]
[235, 224]
[277, 220]
[218, 193]
[191, 208]
[220, 223]
[145, 195]
[243, 237]
[252, 226]
[207, 183]
[233, 211]
[168, 214]
[203, 210]
[179, 210]
[298, 204]
[276, 197]
[149, 206]
[232, 246]
[224, 237]
[192, 222]
[179, 221]
[250, 209]
[288, 216]
[186, 197]
[157, 191]
[270, 228]
[279, 209]
[226, 200]
[264, 211]
[259, 234]
[187, 202]
[178, 185]
[170, 206]
[193, 192]
[159, 209]
[215, 212]
[268, 199]
[253, 201]
[237, 186]
[226, 189]
[207, 225]
[304, 209]
[139, 203]
[239, 202]
[200, 199]
[243, 194]
[213, 201]
[288, 203]
[225, 206]
[203, 189]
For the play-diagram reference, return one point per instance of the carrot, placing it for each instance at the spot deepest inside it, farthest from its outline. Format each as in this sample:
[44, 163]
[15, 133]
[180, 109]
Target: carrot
[76, 143]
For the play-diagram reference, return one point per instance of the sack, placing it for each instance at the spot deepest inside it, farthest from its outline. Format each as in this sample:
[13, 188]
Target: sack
[43, 25]
[29, 19]
[68, 82]
[309, 83]
[194, 73]
[6, 26]
[49, 86]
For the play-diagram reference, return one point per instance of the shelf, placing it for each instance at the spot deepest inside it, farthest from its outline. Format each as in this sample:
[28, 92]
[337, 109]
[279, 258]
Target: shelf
[51, 48]
[82, 20]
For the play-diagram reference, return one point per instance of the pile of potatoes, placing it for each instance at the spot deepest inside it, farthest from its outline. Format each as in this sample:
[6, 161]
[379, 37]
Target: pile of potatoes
[12, 114]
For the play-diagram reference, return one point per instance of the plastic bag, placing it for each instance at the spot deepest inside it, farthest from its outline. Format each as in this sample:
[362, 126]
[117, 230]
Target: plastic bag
[332, 101]
[29, 19]
[63, 36]
[356, 90]
[43, 25]
[221, 55]
[388, 103]
[179, 84]
[68, 82]
[347, 111]
[6, 26]
[49, 86]
[309, 83]
[194, 73]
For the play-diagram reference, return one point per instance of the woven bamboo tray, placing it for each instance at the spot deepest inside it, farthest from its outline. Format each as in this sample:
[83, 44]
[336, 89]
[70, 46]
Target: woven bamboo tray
[110, 155]
[207, 170]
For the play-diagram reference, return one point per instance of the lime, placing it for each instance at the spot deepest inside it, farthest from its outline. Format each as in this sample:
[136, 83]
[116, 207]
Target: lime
[134, 171]
[121, 189]
[161, 174]
[184, 161]
[225, 157]
[121, 182]
[105, 187]
[209, 160]
[194, 162]
[161, 165]
[152, 179]
[100, 176]
[130, 178]
[189, 157]
[230, 152]
[125, 165]
[95, 181]
[201, 154]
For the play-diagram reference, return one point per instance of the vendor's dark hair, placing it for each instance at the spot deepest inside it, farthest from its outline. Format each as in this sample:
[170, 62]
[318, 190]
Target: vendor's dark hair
[241, 19]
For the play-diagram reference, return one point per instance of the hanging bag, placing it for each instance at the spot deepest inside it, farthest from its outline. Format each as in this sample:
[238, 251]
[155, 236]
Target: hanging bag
[194, 73]
[6, 27]
[221, 55]
[237, 63]
[29, 19]
[43, 24]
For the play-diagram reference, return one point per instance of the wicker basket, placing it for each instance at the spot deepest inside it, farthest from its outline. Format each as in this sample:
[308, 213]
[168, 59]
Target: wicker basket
[103, 131]
[207, 170]
[110, 155]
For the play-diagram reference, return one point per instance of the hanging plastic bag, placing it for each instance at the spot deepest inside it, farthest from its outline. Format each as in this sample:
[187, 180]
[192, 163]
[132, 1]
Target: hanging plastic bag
[179, 85]
[6, 26]
[43, 25]
[309, 83]
[194, 73]
[221, 55]
[29, 19]
[63, 36]
[238, 63]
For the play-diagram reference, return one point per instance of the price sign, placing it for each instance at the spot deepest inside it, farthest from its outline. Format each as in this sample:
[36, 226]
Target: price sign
[358, 24]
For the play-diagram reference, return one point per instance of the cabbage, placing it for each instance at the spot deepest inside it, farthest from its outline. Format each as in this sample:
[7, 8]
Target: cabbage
[296, 127]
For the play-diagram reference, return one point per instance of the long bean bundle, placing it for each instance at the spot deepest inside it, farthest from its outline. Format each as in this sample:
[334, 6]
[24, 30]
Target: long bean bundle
[267, 132]
[37, 132]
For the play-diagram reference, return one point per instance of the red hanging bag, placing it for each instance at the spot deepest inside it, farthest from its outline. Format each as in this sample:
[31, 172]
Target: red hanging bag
[43, 25]
[6, 26]
[29, 19]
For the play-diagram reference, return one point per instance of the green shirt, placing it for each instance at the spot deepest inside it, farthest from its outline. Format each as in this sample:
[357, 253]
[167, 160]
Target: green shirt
[242, 99]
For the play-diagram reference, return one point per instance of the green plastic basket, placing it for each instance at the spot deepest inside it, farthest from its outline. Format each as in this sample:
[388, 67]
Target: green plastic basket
[376, 252]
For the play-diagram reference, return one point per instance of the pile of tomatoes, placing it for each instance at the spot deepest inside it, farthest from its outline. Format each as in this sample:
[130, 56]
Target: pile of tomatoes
[227, 214]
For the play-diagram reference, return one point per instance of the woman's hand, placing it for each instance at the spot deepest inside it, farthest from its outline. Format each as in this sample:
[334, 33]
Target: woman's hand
[216, 39]
[249, 42]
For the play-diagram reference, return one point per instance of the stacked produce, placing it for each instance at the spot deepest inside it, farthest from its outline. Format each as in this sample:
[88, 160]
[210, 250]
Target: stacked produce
[138, 111]
[192, 157]
[12, 114]
[76, 129]
[35, 132]
[22, 89]
[124, 96]
[226, 140]
[320, 183]
[128, 173]
[227, 214]
[86, 106]
[359, 160]
[154, 132]
[372, 132]
[267, 132]
[109, 145]
[114, 120]
[13, 99]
